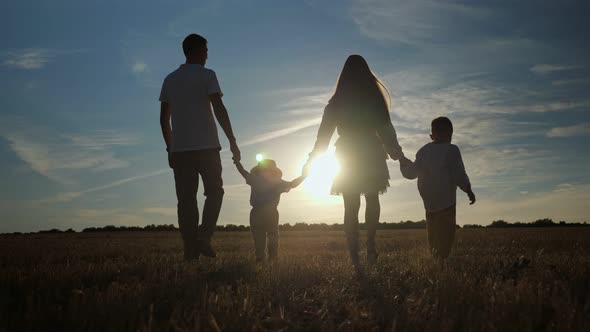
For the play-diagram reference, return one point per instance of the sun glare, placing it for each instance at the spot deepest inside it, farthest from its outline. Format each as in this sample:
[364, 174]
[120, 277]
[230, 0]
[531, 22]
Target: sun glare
[259, 157]
[321, 174]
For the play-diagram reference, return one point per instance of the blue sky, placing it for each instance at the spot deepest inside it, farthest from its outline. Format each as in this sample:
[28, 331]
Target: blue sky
[80, 142]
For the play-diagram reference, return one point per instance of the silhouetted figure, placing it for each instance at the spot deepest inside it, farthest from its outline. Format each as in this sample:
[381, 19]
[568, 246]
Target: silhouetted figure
[193, 144]
[359, 111]
[440, 170]
[267, 185]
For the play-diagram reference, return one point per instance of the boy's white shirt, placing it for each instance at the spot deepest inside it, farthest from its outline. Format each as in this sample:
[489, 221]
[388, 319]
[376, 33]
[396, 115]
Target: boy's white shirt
[439, 169]
[187, 91]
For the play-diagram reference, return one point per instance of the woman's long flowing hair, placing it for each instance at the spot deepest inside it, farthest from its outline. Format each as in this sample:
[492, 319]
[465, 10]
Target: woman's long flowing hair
[360, 98]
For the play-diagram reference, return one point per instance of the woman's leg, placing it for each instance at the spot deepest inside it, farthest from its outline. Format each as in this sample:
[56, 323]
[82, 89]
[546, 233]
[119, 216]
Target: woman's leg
[372, 213]
[352, 204]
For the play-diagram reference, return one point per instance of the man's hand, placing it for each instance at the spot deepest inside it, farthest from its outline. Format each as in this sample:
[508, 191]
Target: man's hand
[237, 156]
[171, 159]
[471, 196]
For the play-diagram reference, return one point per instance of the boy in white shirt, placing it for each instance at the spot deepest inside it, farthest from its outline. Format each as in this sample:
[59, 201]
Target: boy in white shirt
[440, 170]
[267, 185]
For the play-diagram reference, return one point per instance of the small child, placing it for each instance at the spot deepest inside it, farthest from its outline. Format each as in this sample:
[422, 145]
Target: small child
[439, 169]
[267, 185]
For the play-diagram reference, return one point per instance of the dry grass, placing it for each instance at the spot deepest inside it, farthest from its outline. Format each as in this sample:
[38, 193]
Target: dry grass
[496, 280]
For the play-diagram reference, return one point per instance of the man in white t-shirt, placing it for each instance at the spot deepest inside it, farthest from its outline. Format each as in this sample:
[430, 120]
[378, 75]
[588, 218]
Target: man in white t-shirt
[193, 145]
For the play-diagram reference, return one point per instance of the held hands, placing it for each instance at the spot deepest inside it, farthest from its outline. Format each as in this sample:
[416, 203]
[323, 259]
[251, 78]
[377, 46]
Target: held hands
[235, 150]
[471, 196]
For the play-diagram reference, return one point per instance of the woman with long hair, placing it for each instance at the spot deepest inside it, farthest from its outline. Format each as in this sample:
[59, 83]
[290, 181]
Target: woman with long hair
[359, 111]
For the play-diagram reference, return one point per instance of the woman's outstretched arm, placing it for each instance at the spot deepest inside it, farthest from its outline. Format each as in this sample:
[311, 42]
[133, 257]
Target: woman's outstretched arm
[389, 138]
[327, 127]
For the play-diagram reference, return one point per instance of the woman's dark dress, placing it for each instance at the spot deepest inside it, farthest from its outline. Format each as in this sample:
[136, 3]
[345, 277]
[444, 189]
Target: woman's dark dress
[360, 151]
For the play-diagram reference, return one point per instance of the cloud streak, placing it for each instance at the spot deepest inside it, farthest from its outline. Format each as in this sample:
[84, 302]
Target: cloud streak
[56, 156]
[545, 69]
[31, 58]
[582, 129]
[139, 67]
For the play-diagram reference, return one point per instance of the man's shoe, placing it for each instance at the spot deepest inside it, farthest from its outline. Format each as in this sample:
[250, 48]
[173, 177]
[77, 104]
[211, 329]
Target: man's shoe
[206, 249]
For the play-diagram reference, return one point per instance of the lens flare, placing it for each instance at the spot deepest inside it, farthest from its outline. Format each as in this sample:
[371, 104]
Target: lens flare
[259, 157]
[321, 174]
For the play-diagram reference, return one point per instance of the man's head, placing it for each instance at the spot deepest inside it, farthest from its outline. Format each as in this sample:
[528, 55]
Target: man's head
[195, 49]
[441, 130]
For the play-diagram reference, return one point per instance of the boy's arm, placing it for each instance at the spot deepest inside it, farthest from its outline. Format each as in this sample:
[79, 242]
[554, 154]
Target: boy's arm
[245, 174]
[459, 175]
[410, 170]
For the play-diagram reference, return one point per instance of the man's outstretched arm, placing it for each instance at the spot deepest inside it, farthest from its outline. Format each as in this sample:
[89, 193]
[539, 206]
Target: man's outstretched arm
[223, 118]
[166, 129]
[245, 174]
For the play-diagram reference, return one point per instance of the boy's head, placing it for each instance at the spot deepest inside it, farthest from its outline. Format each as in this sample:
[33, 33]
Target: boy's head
[195, 48]
[441, 130]
[267, 167]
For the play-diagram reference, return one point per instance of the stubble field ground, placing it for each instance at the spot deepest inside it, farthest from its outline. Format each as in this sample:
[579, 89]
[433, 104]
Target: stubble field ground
[495, 280]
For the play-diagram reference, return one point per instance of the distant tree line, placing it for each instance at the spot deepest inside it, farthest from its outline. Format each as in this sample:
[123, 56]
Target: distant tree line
[545, 222]
[301, 226]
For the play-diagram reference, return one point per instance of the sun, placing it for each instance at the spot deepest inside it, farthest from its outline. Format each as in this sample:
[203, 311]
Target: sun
[321, 174]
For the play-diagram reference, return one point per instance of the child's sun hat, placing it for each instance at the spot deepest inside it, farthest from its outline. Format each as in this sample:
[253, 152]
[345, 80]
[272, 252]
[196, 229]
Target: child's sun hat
[267, 166]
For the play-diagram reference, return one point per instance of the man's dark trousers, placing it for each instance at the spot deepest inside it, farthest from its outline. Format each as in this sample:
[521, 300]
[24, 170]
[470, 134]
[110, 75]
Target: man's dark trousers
[187, 168]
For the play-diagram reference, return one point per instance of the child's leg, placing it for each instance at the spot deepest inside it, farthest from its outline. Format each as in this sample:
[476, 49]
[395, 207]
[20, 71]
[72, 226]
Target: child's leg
[433, 232]
[272, 231]
[258, 233]
[441, 231]
[448, 223]
[352, 203]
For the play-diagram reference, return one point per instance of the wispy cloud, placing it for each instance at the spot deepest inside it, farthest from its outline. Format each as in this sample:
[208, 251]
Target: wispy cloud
[29, 59]
[412, 22]
[568, 82]
[544, 69]
[56, 156]
[283, 131]
[32, 58]
[70, 196]
[139, 67]
[582, 129]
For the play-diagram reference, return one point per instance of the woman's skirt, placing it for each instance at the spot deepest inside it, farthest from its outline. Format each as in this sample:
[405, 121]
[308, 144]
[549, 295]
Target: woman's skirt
[362, 167]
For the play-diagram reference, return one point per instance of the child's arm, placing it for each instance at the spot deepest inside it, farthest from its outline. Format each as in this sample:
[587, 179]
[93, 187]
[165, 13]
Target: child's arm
[408, 168]
[245, 174]
[297, 181]
[459, 175]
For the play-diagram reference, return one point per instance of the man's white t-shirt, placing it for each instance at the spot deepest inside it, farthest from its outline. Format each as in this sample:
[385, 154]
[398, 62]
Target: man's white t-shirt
[187, 91]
